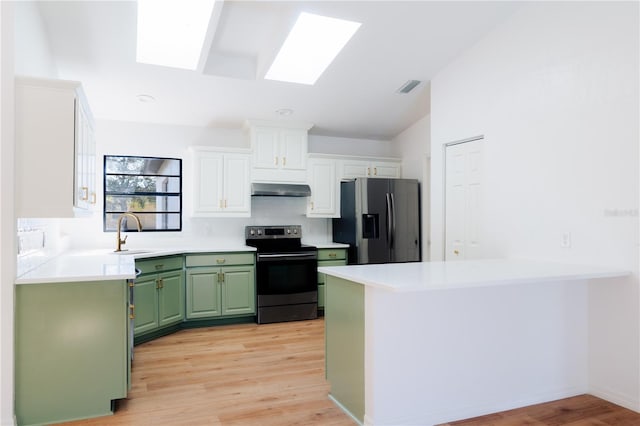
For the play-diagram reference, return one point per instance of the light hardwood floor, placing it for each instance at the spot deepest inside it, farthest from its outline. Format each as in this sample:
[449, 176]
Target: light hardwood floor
[583, 410]
[273, 374]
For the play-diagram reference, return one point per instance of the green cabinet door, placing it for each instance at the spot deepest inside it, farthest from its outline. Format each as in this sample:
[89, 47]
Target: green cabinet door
[158, 294]
[170, 298]
[145, 300]
[238, 290]
[203, 293]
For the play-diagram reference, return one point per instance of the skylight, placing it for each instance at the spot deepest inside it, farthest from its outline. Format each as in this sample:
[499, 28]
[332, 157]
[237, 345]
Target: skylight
[310, 47]
[171, 33]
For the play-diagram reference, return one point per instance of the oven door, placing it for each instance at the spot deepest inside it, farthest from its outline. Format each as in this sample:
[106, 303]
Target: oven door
[286, 273]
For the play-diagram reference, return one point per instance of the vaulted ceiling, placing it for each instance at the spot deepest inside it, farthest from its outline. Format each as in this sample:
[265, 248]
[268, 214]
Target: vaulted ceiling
[95, 42]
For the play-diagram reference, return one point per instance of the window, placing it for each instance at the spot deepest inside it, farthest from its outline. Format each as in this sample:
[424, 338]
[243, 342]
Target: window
[150, 187]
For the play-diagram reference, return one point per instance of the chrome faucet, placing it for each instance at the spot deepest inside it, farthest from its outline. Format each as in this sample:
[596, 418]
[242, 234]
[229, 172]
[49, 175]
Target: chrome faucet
[123, 241]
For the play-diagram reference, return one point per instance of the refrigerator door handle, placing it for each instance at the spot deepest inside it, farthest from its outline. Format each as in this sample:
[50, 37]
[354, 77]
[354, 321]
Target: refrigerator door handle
[389, 218]
[393, 221]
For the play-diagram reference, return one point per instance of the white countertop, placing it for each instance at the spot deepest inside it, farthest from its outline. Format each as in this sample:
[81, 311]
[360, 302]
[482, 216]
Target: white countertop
[424, 276]
[105, 265]
[326, 245]
[72, 267]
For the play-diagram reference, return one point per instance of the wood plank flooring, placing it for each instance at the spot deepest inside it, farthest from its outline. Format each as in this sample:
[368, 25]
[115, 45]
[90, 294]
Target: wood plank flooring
[583, 410]
[245, 374]
[273, 374]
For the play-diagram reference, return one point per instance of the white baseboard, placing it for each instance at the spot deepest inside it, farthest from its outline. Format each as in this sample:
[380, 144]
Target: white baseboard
[481, 409]
[616, 398]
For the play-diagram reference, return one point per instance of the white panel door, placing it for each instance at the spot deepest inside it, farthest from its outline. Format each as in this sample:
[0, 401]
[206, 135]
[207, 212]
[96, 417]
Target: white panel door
[293, 149]
[266, 154]
[385, 169]
[354, 169]
[323, 201]
[208, 194]
[463, 201]
[237, 194]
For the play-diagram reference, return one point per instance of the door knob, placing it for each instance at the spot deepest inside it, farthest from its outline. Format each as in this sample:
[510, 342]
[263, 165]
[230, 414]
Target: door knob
[456, 252]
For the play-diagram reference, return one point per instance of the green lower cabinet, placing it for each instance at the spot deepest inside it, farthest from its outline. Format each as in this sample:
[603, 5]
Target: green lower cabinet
[145, 297]
[171, 298]
[158, 297]
[238, 290]
[220, 291]
[328, 257]
[71, 350]
[203, 293]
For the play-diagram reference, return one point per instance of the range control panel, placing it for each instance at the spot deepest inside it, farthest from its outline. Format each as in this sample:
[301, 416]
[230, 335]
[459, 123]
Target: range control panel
[272, 232]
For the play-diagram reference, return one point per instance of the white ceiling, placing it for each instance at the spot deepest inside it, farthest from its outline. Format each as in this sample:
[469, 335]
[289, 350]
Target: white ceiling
[94, 42]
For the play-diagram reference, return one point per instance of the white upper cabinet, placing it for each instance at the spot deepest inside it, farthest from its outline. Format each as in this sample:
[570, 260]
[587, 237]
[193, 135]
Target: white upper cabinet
[55, 149]
[237, 184]
[221, 183]
[293, 149]
[279, 153]
[265, 142]
[325, 188]
[374, 168]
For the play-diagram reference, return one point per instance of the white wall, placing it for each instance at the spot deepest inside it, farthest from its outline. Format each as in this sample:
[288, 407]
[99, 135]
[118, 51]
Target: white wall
[413, 145]
[127, 138]
[555, 92]
[7, 218]
[33, 52]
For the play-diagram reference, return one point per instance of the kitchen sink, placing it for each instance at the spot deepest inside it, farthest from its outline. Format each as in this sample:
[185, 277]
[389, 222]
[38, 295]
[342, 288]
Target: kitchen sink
[131, 252]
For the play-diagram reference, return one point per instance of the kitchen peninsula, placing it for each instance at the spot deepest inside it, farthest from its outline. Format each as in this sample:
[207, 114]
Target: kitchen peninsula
[73, 334]
[430, 342]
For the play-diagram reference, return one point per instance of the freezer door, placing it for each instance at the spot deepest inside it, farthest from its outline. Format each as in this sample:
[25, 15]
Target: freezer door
[373, 217]
[405, 233]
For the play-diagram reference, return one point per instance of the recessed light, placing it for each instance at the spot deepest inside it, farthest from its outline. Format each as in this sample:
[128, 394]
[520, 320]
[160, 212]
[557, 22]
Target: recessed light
[171, 33]
[146, 99]
[310, 47]
[284, 112]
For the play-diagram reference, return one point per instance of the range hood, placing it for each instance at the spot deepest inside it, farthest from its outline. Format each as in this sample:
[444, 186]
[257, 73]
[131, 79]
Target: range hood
[280, 190]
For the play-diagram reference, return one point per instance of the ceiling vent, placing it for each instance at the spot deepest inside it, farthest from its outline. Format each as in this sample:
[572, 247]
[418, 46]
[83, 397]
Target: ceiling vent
[408, 86]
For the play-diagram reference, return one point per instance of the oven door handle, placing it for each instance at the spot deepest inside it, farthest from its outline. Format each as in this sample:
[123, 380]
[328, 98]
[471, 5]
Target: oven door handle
[286, 256]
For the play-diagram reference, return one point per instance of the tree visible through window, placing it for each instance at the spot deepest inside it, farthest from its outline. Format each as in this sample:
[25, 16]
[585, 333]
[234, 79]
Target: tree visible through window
[150, 187]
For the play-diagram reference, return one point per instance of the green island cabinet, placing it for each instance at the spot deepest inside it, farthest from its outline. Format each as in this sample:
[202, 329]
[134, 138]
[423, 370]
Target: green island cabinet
[72, 353]
[328, 257]
[158, 295]
[220, 285]
[344, 330]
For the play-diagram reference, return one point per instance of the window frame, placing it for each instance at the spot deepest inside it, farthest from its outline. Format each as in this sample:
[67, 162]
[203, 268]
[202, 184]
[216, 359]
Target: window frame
[106, 193]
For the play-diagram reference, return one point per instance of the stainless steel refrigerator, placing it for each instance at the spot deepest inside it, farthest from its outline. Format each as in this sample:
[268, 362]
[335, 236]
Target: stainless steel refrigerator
[380, 220]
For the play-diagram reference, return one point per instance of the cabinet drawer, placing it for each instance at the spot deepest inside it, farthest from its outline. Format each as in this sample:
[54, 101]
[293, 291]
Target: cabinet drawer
[331, 254]
[159, 264]
[220, 259]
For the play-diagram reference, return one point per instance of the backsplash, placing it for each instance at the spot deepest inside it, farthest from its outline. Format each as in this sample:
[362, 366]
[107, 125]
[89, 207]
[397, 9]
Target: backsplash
[87, 233]
[38, 241]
